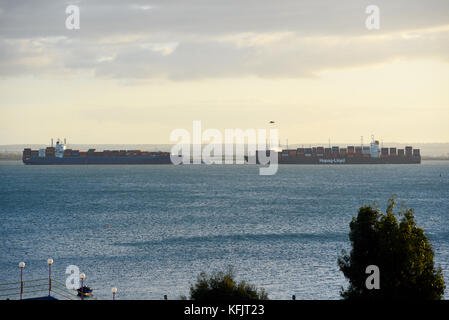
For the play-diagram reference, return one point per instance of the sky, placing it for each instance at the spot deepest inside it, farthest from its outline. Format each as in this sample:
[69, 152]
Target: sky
[137, 70]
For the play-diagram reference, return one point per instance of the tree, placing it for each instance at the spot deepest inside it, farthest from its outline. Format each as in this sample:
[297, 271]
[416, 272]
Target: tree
[400, 250]
[222, 286]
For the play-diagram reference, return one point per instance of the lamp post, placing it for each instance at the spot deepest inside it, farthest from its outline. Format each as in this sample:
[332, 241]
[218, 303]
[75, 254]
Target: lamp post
[114, 291]
[82, 276]
[21, 266]
[50, 262]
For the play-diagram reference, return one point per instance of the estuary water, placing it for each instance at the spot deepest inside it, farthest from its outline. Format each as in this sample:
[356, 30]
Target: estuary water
[149, 230]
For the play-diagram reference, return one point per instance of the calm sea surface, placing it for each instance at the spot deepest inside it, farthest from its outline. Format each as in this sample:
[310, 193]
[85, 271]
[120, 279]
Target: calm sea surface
[168, 223]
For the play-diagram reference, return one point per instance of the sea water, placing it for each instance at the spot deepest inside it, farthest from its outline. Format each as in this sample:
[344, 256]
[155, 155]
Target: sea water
[150, 230]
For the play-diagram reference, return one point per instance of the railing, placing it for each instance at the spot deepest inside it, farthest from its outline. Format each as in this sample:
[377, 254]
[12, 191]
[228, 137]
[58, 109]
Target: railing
[18, 288]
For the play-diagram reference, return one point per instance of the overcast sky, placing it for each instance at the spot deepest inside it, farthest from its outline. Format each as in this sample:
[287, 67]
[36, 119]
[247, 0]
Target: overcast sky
[136, 70]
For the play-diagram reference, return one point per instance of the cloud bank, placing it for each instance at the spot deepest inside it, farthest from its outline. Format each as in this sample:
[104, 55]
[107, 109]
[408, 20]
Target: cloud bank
[183, 40]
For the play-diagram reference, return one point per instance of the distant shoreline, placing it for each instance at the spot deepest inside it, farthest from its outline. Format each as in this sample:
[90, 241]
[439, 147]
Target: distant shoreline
[18, 157]
[10, 156]
[425, 158]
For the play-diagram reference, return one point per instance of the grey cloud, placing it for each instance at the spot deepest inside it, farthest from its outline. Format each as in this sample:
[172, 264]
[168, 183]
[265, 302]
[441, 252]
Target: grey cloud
[199, 39]
[23, 18]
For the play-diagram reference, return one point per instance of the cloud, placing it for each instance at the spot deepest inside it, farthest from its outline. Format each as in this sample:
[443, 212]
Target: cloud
[142, 7]
[164, 49]
[181, 40]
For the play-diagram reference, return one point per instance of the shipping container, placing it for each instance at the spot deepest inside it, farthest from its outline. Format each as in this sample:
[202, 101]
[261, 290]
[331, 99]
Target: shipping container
[408, 151]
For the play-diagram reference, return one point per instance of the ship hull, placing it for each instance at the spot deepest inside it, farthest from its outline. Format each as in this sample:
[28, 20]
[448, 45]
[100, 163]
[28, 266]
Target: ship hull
[98, 161]
[329, 161]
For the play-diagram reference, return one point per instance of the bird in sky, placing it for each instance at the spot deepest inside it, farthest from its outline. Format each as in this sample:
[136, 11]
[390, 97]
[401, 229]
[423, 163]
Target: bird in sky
[271, 121]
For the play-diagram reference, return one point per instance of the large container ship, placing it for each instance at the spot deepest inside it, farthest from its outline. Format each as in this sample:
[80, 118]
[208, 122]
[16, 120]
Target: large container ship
[372, 154]
[60, 154]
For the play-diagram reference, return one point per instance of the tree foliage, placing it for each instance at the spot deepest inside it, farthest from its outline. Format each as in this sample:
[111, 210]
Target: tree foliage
[400, 249]
[222, 286]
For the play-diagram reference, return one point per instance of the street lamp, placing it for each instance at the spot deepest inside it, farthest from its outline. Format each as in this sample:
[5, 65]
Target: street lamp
[114, 291]
[21, 266]
[50, 262]
[82, 276]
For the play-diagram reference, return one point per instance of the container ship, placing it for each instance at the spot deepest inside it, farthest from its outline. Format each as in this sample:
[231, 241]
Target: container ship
[60, 154]
[372, 154]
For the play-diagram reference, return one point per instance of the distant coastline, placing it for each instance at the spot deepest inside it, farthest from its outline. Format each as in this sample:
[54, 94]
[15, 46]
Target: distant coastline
[10, 156]
[18, 156]
[434, 158]
[429, 151]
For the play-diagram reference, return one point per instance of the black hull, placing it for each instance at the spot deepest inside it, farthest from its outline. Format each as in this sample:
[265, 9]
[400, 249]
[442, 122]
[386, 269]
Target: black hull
[340, 161]
[94, 160]
[350, 161]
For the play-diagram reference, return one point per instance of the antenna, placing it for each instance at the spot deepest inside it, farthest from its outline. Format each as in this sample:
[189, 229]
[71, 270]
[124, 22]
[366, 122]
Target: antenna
[287, 143]
[65, 141]
[51, 142]
[329, 142]
[361, 140]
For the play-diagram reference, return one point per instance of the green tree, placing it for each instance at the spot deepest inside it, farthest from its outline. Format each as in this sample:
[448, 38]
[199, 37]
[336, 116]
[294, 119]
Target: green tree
[400, 250]
[222, 286]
